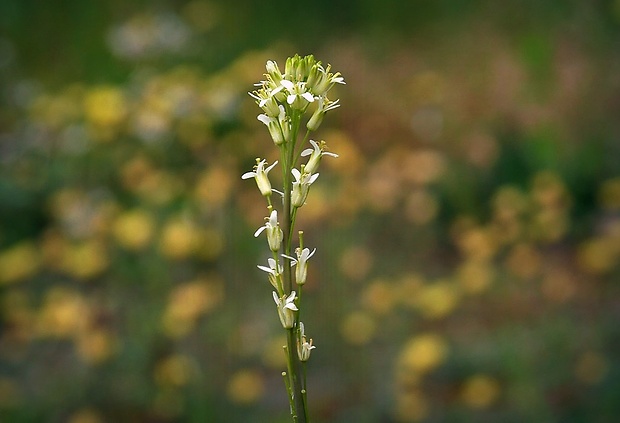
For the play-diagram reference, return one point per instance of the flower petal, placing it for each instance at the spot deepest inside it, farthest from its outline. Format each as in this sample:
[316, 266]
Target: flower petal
[291, 306]
[266, 269]
[308, 96]
[259, 231]
[313, 178]
[264, 118]
[287, 84]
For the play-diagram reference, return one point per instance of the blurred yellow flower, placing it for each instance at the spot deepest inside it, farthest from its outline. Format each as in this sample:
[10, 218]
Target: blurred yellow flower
[358, 328]
[480, 391]
[477, 243]
[95, 345]
[214, 186]
[423, 167]
[438, 299]
[509, 203]
[64, 313]
[179, 238]
[189, 301]
[85, 259]
[246, 387]
[475, 276]
[379, 297]
[422, 354]
[105, 106]
[175, 370]
[350, 159]
[134, 229]
[597, 255]
[19, 262]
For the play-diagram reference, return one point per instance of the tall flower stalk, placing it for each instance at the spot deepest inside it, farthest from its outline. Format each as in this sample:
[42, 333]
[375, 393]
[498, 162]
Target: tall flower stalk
[294, 103]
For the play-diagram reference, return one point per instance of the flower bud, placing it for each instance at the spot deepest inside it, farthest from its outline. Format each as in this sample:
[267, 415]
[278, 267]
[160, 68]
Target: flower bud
[316, 119]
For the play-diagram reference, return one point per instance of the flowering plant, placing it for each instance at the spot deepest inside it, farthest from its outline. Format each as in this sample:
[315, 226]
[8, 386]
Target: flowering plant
[285, 98]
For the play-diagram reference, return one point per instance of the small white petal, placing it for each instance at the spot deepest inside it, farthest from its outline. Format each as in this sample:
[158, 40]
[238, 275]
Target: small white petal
[296, 173]
[313, 178]
[271, 167]
[265, 269]
[308, 96]
[291, 99]
[264, 118]
[287, 84]
[327, 153]
[259, 231]
[292, 259]
[248, 175]
[291, 306]
[275, 297]
[306, 152]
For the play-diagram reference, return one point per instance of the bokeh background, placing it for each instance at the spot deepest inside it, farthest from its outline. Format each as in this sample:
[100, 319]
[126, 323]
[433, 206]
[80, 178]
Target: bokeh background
[468, 237]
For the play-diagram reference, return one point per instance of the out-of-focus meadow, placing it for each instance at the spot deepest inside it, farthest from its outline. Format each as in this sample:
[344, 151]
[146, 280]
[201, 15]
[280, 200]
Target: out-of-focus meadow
[468, 236]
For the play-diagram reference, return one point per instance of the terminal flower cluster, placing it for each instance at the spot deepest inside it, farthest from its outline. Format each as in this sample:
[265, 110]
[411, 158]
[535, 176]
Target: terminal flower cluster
[293, 102]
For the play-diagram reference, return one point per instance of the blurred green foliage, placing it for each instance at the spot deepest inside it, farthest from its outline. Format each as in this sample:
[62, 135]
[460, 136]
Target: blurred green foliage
[467, 237]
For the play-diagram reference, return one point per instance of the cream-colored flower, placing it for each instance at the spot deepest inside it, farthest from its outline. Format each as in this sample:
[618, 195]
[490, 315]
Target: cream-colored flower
[304, 348]
[260, 174]
[274, 233]
[315, 154]
[301, 186]
[286, 309]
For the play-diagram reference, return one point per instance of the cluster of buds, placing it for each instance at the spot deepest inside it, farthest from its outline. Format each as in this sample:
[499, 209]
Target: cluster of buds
[284, 98]
[305, 81]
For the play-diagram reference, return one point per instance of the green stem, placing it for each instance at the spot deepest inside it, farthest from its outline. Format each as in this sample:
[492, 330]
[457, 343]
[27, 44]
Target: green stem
[299, 405]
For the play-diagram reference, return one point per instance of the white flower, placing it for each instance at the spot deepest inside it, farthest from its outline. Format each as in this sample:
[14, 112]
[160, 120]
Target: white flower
[260, 174]
[320, 80]
[304, 348]
[315, 154]
[274, 233]
[266, 101]
[301, 186]
[279, 127]
[324, 105]
[273, 71]
[298, 97]
[301, 272]
[286, 309]
[275, 272]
